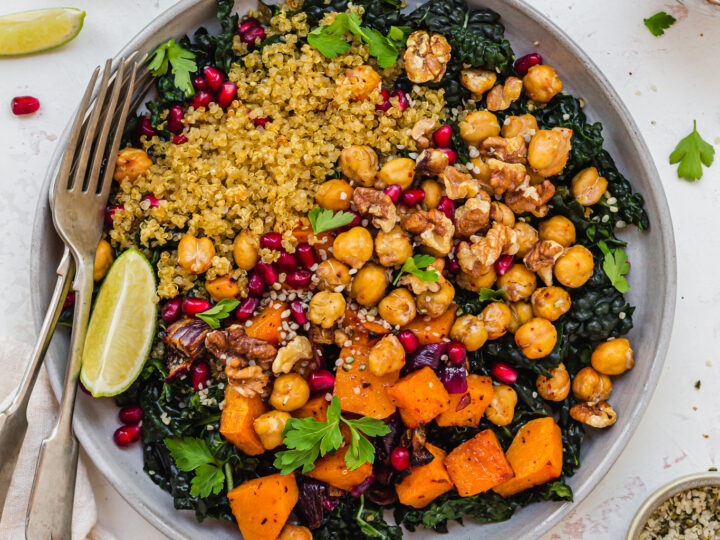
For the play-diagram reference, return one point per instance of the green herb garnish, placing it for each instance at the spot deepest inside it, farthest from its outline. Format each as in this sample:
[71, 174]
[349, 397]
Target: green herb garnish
[692, 153]
[615, 266]
[308, 439]
[191, 454]
[180, 60]
[415, 265]
[219, 311]
[658, 23]
[325, 220]
[492, 294]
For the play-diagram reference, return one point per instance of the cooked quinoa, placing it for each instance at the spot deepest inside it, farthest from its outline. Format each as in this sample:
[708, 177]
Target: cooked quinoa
[691, 515]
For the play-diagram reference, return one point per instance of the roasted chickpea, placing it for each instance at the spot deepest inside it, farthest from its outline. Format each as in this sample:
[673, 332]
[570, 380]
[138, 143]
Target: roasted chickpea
[131, 163]
[480, 171]
[332, 274]
[574, 267]
[501, 213]
[290, 392]
[393, 248]
[476, 284]
[502, 406]
[398, 307]
[588, 186]
[518, 283]
[536, 338]
[103, 260]
[369, 285]
[386, 356]
[353, 247]
[195, 255]
[295, 532]
[269, 428]
[497, 318]
[558, 229]
[470, 331]
[362, 79]
[433, 193]
[542, 83]
[548, 151]
[359, 163]
[400, 171]
[550, 303]
[527, 237]
[515, 126]
[556, 387]
[613, 357]
[435, 304]
[326, 307]
[591, 386]
[334, 195]
[478, 126]
[245, 250]
[503, 95]
[222, 287]
[521, 313]
[478, 81]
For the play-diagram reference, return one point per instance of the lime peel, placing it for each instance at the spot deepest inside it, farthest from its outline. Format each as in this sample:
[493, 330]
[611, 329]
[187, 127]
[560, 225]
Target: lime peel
[30, 32]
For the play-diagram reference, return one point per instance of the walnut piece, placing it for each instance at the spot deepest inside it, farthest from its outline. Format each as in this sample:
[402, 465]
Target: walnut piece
[247, 381]
[377, 204]
[234, 345]
[432, 162]
[299, 348]
[478, 258]
[598, 415]
[320, 335]
[426, 57]
[419, 286]
[505, 176]
[502, 96]
[509, 150]
[541, 259]
[459, 185]
[421, 130]
[529, 198]
[473, 216]
[478, 81]
[435, 229]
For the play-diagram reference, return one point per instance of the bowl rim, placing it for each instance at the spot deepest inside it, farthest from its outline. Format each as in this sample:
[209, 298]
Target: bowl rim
[662, 222]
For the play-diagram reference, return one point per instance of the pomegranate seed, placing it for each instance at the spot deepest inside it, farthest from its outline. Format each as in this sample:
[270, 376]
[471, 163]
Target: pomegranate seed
[394, 192]
[199, 83]
[385, 105]
[126, 435]
[174, 119]
[271, 240]
[246, 309]
[287, 262]
[268, 273]
[299, 279]
[227, 94]
[247, 24]
[456, 352]
[199, 375]
[24, 105]
[402, 99]
[201, 99]
[524, 63]
[306, 254]
[356, 220]
[400, 458]
[253, 36]
[447, 207]
[321, 380]
[214, 78]
[452, 265]
[411, 197]
[409, 341]
[172, 310]
[503, 264]
[83, 388]
[144, 127]
[297, 310]
[193, 306]
[451, 154]
[260, 122]
[69, 301]
[131, 414]
[153, 200]
[110, 212]
[443, 136]
[179, 139]
[503, 372]
[256, 285]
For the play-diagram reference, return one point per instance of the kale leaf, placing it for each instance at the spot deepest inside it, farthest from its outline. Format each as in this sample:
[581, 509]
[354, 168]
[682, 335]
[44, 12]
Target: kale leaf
[356, 518]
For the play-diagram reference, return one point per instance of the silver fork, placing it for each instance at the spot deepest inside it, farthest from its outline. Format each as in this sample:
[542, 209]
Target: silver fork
[78, 203]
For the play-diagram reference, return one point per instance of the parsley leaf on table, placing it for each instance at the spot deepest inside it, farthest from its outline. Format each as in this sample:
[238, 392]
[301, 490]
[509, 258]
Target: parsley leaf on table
[415, 265]
[615, 266]
[219, 311]
[191, 454]
[180, 60]
[692, 153]
[492, 294]
[658, 23]
[325, 220]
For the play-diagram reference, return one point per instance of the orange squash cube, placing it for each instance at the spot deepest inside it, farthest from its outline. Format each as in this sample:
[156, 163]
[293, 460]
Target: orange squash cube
[470, 412]
[316, 407]
[268, 324]
[429, 330]
[420, 396]
[332, 470]
[263, 505]
[236, 421]
[425, 483]
[478, 464]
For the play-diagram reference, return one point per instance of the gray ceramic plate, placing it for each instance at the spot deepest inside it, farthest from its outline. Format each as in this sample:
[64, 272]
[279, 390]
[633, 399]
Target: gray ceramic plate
[652, 280]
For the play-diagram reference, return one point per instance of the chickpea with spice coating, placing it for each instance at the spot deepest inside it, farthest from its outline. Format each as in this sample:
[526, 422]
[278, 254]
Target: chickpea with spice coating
[195, 255]
[476, 284]
[131, 163]
[369, 285]
[359, 163]
[574, 267]
[591, 386]
[521, 313]
[433, 193]
[290, 392]
[435, 304]
[470, 331]
[334, 195]
[518, 283]
[588, 186]
[613, 357]
[326, 308]
[497, 317]
[295, 532]
[542, 83]
[557, 386]
[515, 126]
[332, 274]
[550, 303]
[394, 247]
[353, 247]
[536, 338]
[222, 287]
[549, 150]
[398, 307]
[386, 356]
[477, 81]
[246, 250]
[558, 229]
[527, 237]
[478, 126]
[400, 171]
[269, 428]
[103, 260]
[502, 406]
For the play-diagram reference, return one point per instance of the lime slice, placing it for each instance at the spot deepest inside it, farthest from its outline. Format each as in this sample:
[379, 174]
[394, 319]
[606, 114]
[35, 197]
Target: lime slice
[39, 30]
[122, 326]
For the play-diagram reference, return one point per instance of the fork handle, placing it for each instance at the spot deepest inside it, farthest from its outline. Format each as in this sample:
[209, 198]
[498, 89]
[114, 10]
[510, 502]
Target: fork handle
[13, 420]
[50, 508]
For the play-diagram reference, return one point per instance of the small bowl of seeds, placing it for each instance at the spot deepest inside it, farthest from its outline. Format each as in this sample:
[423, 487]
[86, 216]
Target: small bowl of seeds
[685, 509]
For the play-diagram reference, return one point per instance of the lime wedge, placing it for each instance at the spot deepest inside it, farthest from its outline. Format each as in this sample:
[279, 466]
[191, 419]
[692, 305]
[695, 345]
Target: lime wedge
[122, 326]
[39, 30]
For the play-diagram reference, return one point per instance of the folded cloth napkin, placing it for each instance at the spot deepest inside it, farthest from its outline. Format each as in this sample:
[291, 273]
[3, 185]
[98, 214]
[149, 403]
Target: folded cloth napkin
[41, 415]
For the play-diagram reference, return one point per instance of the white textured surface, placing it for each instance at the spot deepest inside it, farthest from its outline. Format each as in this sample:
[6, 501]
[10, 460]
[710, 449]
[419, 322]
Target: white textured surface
[666, 83]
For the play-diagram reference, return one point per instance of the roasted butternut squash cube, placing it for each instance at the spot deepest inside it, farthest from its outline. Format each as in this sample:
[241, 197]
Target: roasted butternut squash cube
[535, 454]
[420, 397]
[332, 470]
[429, 330]
[268, 324]
[261, 506]
[478, 464]
[236, 421]
[316, 407]
[467, 409]
[425, 483]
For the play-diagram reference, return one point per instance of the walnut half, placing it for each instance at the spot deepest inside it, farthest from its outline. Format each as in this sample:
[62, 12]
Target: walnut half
[478, 258]
[299, 348]
[426, 57]
[598, 415]
[248, 381]
[541, 259]
[434, 228]
[377, 204]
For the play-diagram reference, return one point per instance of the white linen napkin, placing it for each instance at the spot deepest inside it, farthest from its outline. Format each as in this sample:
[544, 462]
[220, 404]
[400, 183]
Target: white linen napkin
[41, 415]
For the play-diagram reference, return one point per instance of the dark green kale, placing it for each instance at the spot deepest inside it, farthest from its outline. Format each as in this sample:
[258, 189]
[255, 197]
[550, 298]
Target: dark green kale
[379, 14]
[356, 518]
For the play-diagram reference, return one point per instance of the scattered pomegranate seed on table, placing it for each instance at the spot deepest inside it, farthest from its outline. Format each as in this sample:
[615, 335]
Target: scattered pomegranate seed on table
[22, 105]
[131, 414]
[126, 435]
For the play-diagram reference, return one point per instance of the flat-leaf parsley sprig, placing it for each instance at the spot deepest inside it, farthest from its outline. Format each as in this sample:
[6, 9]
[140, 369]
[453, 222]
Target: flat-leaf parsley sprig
[179, 60]
[323, 220]
[307, 440]
[658, 23]
[222, 310]
[692, 153]
[498, 295]
[191, 454]
[615, 265]
[416, 265]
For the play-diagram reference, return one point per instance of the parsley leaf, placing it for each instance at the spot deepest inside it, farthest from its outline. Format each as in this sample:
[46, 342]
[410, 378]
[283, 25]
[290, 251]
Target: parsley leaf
[415, 265]
[491, 294]
[692, 153]
[208, 478]
[328, 39]
[325, 220]
[191, 454]
[219, 311]
[658, 23]
[307, 439]
[180, 60]
[615, 266]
